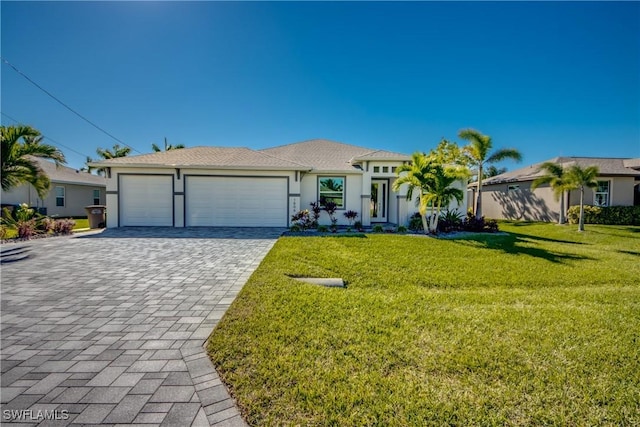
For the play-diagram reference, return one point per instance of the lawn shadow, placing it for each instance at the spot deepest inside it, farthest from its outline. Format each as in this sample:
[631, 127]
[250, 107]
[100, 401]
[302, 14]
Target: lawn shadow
[16, 254]
[248, 233]
[636, 253]
[514, 243]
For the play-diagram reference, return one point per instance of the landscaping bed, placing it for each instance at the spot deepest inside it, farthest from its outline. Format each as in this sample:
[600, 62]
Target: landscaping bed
[539, 325]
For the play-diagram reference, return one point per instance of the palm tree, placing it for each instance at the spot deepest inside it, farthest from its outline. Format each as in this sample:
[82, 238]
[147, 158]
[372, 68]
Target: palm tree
[556, 176]
[106, 153]
[477, 152]
[433, 180]
[581, 178]
[18, 144]
[167, 147]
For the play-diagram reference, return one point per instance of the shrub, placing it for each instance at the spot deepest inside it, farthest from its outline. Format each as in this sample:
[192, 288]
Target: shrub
[351, 215]
[22, 219]
[47, 225]
[471, 223]
[323, 228]
[302, 220]
[295, 228]
[3, 232]
[609, 215]
[415, 222]
[358, 225]
[377, 229]
[402, 229]
[315, 209]
[450, 221]
[64, 226]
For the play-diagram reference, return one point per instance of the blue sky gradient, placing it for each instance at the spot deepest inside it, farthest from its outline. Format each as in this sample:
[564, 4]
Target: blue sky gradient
[547, 78]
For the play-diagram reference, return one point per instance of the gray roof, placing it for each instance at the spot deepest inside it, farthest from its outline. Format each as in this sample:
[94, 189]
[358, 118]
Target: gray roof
[606, 166]
[325, 155]
[200, 157]
[316, 154]
[66, 175]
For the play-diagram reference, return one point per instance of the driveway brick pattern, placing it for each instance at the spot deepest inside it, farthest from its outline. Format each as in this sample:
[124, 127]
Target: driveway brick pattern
[108, 328]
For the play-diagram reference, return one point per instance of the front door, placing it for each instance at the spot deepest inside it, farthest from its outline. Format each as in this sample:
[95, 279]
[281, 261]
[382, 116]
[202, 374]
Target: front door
[379, 200]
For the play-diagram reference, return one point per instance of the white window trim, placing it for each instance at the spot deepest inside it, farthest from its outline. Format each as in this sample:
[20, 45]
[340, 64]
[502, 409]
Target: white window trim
[63, 196]
[608, 193]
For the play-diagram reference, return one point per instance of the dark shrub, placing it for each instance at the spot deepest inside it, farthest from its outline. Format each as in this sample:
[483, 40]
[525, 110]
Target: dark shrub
[471, 223]
[450, 221]
[415, 222]
[64, 226]
[609, 215]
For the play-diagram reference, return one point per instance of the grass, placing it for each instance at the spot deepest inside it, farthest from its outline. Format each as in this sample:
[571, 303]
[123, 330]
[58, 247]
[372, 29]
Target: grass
[540, 326]
[80, 224]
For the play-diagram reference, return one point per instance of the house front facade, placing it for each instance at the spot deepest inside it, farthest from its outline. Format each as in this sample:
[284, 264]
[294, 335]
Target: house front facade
[241, 187]
[70, 191]
[509, 195]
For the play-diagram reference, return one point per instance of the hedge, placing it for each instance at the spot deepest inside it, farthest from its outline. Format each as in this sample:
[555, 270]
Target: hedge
[610, 215]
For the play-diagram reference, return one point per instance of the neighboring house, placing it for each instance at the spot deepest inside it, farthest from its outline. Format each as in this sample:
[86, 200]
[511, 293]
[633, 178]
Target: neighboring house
[71, 190]
[223, 186]
[509, 195]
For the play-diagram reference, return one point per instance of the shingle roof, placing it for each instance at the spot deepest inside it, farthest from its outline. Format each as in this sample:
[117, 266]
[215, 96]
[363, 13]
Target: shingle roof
[325, 155]
[219, 157]
[66, 175]
[606, 166]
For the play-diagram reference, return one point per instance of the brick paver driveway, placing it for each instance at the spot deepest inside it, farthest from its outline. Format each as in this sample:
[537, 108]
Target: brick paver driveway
[109, 328]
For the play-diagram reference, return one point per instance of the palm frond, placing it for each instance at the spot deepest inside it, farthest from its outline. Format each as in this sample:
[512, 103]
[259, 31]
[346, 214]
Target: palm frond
[503, 154]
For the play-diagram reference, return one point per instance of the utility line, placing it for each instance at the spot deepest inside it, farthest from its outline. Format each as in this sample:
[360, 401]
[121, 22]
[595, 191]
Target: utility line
[46, 137]
[66, 106]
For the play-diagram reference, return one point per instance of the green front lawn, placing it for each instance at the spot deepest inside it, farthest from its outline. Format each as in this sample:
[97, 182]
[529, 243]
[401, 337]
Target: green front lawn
[540, 326]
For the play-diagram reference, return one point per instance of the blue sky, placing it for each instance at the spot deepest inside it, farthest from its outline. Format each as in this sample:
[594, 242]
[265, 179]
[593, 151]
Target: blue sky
[547, 78]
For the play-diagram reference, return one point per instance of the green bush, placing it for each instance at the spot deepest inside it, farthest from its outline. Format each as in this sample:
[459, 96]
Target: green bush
[610, 215]
[415, 222]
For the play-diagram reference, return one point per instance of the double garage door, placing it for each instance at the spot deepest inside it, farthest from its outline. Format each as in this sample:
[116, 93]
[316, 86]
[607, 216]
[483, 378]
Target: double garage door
[208, 201]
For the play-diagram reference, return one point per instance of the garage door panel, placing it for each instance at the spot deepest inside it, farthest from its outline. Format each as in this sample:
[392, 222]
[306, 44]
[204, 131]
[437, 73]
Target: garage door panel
[146, 200]
[236, 201]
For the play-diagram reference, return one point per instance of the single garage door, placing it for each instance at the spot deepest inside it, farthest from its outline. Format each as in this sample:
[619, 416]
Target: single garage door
[236, 201]
[146, 200]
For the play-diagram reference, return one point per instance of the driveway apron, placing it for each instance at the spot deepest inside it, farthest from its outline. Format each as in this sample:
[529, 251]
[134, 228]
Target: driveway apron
[108, 328]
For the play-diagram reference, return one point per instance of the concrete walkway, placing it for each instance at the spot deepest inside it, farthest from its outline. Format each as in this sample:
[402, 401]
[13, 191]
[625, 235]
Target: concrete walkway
[108, 328]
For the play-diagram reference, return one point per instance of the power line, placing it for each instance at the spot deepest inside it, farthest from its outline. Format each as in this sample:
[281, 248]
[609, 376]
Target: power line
[66, 106]
[46, 137]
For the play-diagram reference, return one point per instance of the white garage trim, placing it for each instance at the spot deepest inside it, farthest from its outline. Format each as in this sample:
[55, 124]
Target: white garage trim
[145, 200]
[236, 201]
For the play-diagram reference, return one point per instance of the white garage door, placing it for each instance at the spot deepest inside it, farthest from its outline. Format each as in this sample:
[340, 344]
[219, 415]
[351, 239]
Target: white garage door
[146, 200]
[236, 201]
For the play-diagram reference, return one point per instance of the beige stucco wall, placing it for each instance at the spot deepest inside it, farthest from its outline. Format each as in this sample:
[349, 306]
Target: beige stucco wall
[540, 204]
[76, 198]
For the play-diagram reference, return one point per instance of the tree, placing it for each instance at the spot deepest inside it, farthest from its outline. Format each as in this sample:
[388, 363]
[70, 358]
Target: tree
[477, 152]
[580, 178]
[433, 179]
[19, 145]
[493, 171]
[167, 146]
[106, 153]
[556, 176]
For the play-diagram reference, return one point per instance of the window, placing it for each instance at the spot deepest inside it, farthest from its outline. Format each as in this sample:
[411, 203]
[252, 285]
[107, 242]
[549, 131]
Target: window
[393, 169]
[376, 169]
[385, 169]
[331, 189]
[602, 194]
[96, 197]
[59, 196]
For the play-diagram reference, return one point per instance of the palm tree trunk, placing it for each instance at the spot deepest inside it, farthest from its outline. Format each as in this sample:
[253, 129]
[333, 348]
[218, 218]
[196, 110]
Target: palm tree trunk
[581, 221]
[479, 193]
[561, 216]
[425, 225]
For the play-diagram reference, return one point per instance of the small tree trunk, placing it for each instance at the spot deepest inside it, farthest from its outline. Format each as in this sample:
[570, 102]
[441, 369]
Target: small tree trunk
[425, 225]
[479, 195]
[581, 221]
[561, 216]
